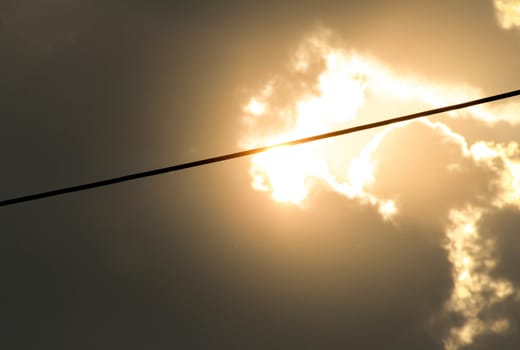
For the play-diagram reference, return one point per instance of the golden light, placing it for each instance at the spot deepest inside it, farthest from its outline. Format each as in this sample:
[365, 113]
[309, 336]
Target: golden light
[349, 89]
[283, 170]
[334, 100]
[288, 172]
[349, 83]
[387, 208]
[507, 155]
[255, 107]
[475, 290]
[508, 13]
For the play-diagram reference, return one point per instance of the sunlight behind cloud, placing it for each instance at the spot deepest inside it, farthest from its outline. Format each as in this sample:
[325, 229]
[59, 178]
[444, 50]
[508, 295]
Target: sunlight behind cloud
[285, 171]
[347, 88]
[255, 107]
[504, 158]
[334, 100]
[475, 290]
[508, 13]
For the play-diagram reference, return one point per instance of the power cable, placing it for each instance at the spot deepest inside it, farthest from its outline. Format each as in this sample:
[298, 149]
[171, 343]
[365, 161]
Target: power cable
[249, 152]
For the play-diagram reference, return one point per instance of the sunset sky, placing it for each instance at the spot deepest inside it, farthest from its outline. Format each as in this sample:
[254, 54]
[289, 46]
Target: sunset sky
[404, 237]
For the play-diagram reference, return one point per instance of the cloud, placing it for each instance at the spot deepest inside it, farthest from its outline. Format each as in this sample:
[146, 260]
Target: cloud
[491, 277]
[153, 263]
[342, 87]
[502, 226]
[422, 177]
[508, 13]
[428, 170]
[442, 182]
[41, 25]
[337, 273]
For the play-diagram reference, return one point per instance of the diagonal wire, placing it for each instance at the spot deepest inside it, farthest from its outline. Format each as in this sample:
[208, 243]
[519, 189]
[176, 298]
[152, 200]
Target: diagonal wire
[249, 152]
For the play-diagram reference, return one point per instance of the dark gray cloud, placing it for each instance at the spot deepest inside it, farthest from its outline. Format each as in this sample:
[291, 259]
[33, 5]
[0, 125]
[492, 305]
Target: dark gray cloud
[39, 27]
[198, 274]
[502, 226]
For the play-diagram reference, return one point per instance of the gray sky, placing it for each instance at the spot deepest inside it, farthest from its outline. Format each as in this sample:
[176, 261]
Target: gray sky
[199, 259]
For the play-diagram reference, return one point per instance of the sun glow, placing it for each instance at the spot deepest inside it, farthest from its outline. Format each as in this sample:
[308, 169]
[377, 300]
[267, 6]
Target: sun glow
[255, 107]
[475, 290]
[286, 172]
[330, 100]
[351, 89]
[508, 13]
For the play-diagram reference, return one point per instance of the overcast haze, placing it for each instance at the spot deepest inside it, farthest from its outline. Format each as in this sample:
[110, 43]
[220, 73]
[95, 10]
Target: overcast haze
[420, 251]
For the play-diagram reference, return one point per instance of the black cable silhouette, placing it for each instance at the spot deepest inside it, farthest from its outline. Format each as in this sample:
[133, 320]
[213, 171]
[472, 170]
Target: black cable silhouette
[249, 152]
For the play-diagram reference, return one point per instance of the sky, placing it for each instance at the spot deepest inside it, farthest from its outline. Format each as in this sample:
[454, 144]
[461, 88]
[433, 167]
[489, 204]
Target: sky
[404, 237]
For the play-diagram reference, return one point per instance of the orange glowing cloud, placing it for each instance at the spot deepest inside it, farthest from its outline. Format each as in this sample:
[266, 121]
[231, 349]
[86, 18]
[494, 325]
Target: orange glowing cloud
[349, 89]
[508, 13]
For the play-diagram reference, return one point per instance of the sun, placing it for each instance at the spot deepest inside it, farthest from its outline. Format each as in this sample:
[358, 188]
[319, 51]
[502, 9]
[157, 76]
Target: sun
[289, 173]
[282, 170]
